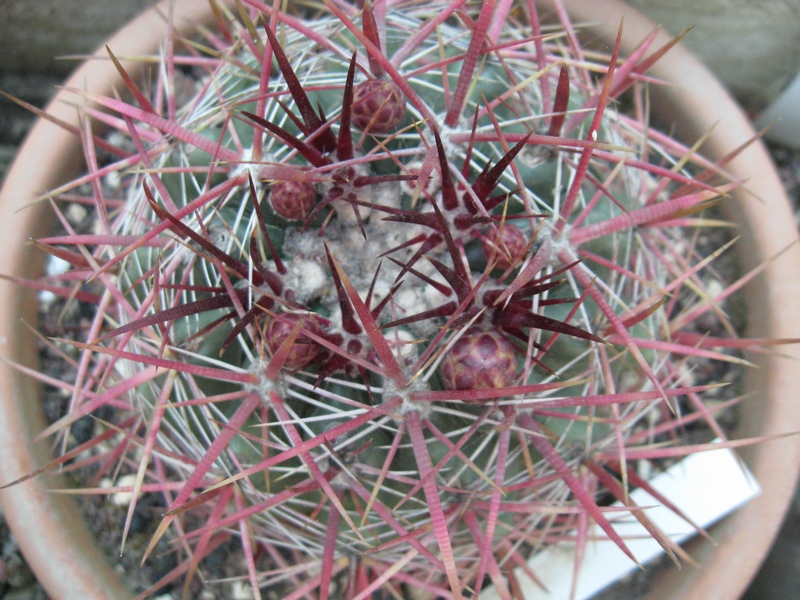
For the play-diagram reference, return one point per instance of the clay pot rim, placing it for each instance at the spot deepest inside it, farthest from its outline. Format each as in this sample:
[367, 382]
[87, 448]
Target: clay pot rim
[696, 103]
[49, 528]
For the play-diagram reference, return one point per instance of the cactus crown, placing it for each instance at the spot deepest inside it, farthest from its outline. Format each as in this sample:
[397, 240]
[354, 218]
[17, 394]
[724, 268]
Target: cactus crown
[391, 292]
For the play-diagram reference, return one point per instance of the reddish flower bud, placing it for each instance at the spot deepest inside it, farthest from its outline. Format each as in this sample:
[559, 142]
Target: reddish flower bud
[378, 106]
[303, 351]
[504, 245]
[293, 199]
[479, 360]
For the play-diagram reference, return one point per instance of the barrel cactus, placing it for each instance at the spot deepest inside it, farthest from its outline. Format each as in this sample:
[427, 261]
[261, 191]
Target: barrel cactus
[387, 292]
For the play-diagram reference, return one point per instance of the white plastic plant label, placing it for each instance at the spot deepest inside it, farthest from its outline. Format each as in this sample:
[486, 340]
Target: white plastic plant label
[706, 486]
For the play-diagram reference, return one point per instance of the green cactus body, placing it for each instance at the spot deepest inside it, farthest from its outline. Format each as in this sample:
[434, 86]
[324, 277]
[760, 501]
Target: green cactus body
[346, 301]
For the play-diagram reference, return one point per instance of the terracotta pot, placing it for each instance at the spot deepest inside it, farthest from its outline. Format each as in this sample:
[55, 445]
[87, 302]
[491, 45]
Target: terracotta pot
[766, 54]
[694, 103]
[48, 526]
